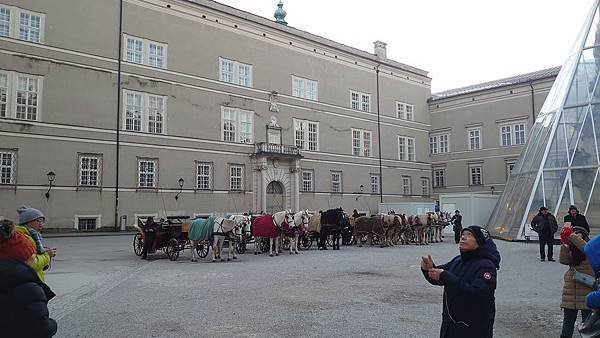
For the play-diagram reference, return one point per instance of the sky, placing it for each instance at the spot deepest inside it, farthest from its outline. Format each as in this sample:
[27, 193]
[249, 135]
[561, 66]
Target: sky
[459, 42]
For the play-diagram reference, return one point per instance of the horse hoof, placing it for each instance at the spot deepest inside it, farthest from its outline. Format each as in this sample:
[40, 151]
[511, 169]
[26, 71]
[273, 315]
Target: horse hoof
[276, 254]
[227, 259]
[214, 260]
[193, 260]
[234, 257]
[256, 253]
[291, 253]
[296, 252]
[270, 255]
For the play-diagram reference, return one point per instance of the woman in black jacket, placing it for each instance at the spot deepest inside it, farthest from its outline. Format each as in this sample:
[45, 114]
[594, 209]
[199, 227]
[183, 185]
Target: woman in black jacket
[576, 219]
[469, 282]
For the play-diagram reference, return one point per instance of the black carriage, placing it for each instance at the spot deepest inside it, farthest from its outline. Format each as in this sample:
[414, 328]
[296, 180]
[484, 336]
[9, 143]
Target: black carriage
[171, 237]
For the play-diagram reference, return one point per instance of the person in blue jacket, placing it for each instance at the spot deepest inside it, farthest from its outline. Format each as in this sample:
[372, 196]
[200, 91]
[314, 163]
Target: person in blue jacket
[469, 282]
[592, 253]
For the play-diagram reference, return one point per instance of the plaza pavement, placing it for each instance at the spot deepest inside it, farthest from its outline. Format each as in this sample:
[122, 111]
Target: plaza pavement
[104, 290]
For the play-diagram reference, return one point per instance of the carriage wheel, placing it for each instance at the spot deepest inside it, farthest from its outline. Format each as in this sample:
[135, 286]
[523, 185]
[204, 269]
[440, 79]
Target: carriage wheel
[329, 241]
[264, 244]
[307, 241]
[138, 244]
[375, 239]
[286, 242]
[347, 239]
[240, 247]
[362, 239]
[202, 250]
[173, 249]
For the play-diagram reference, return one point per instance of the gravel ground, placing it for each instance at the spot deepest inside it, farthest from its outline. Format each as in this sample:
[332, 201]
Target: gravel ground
[105, 290]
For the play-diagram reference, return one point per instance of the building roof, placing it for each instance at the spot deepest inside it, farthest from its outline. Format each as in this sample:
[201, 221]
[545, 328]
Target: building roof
[217, 6]
[509, 81]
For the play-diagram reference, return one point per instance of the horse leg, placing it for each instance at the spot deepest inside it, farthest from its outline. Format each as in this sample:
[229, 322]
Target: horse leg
[277, 242]
[214, 249]
[271, 247]
[296, 237]
[193, 250]
[256, 245]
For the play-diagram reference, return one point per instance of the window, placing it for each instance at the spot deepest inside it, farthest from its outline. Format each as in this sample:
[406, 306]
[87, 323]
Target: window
[236, 177]
[87, 223]
[439, 178]
[406, 185]
[90, 170]
[237, 125]
[474, 139]
[304, 88]
[204, 176]
[360, 101]
[147, 173]
[475, 175]
[510, 165]
[405, 111]
[375, 183]
[512, 134]
[3, 95]
[145, 52]
[4, 21]
[8, 161]
[306, 134]
[30, 27]
[361, 143]
[336, 181]
[406, 148]
[21, 24]
[144, 112]
[307, 180]
[235, 72]
[27, 98]
[439, 144]
[424, 186]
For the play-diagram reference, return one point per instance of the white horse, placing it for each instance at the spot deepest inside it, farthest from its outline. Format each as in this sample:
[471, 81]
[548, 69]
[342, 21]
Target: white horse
[244, 231]
[299, 218]
[222, 228]
[277, 220]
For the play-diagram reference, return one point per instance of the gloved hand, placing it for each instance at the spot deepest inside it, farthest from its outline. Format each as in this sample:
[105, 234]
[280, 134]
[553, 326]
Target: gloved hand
[565, 232]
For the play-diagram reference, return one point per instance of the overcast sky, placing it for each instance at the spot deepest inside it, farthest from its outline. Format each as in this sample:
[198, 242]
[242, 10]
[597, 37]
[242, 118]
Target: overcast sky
[460, 42]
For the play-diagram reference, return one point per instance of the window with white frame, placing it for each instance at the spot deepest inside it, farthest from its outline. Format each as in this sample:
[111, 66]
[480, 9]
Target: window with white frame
[147, 173]
[4, 112]
[27, 98]
[204, 175]
[360, 101]
[361, 142]
[439, 143]
[21, 24]
[406, 148]
[304, 88]
[144, 112]
[90, 170]
[336, 181]
[87, 223]
[235, 72]
[307, 180]
[439, 177]
[475, 174]
[236, 177]
[237, 125]
[306, 134]
[406, 185]
[512, 134]
[144, 52]
[375, 183]
[8, 162]
[474, 138]
[510, 166]
[424, 186]
[405, 111]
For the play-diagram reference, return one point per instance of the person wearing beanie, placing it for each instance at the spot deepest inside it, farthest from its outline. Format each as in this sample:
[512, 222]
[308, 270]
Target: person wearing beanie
[576, 219]
[31, 223]
[456, 222]
[23, 296]
[544, 223]
[469, 282]
[572, 253]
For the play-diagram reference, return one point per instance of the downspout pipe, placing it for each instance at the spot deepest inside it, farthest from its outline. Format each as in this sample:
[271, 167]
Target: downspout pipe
[379, 136]
[118, 115]
[532, 103]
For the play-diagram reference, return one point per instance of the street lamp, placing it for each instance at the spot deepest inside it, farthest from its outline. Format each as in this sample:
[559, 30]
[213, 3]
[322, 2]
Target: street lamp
[51, 176]
[492, 189]
[362, 188]
[180, 180]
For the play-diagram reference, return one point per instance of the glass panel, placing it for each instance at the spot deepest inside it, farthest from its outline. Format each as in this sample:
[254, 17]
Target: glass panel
[536, 203]
[573, 119]
[585, 152]
[565, 203]
[582, 185]
[557, 155]
[553, 183]
[557, 93]
[593, 37]
[593, 210]
[585, 78]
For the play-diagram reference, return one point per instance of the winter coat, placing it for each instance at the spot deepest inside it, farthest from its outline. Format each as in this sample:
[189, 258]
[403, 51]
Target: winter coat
[457, 221]
[578, 221]
[544, 225]
[573, 293]
[469, 282]
[23, 302]
[41, 260]
[592, 254]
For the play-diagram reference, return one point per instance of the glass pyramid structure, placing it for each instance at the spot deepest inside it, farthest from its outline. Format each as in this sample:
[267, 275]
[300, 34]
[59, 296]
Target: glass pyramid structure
[559, 166]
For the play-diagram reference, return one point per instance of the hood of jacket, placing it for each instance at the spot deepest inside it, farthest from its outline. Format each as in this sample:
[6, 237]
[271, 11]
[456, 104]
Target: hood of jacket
[486, 251]
[14, 272]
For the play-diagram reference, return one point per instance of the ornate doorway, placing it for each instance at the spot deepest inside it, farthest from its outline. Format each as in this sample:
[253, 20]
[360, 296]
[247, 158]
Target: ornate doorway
[275, 197]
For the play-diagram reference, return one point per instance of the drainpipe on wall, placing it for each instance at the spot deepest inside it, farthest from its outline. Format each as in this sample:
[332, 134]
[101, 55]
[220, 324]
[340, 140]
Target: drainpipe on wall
[532, 103]
[118, 114]
[379, 137]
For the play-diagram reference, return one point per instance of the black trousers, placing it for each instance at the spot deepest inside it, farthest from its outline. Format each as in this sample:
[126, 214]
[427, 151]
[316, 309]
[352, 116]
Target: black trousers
[148, 242]
[546, 240]
[570, 316]
[457, 232]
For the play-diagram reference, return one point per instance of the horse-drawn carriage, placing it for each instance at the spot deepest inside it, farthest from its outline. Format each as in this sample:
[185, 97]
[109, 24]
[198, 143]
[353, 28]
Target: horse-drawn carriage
[171, 236]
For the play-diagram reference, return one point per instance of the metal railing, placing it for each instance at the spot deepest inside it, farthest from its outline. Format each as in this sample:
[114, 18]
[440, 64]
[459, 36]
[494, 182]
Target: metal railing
[274, 148]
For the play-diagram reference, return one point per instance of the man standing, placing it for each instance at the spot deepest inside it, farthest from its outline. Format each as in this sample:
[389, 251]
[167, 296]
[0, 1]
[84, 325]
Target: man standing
[457, 225]
[149, 233]
[544, 223]
[576, 219]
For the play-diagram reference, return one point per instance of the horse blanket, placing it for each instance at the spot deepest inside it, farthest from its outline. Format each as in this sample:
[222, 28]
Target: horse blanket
[314, 224]
[201, 229]
[263, 226]
[291, 232]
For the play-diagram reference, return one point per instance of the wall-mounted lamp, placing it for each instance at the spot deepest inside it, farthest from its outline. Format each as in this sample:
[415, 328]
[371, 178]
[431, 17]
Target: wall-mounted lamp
[51, 176]
[492, 189]
[362, 188]
[181, 181]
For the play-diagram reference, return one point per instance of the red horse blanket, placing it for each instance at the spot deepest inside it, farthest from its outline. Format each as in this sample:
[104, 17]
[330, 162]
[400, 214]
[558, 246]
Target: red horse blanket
[263, 226]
